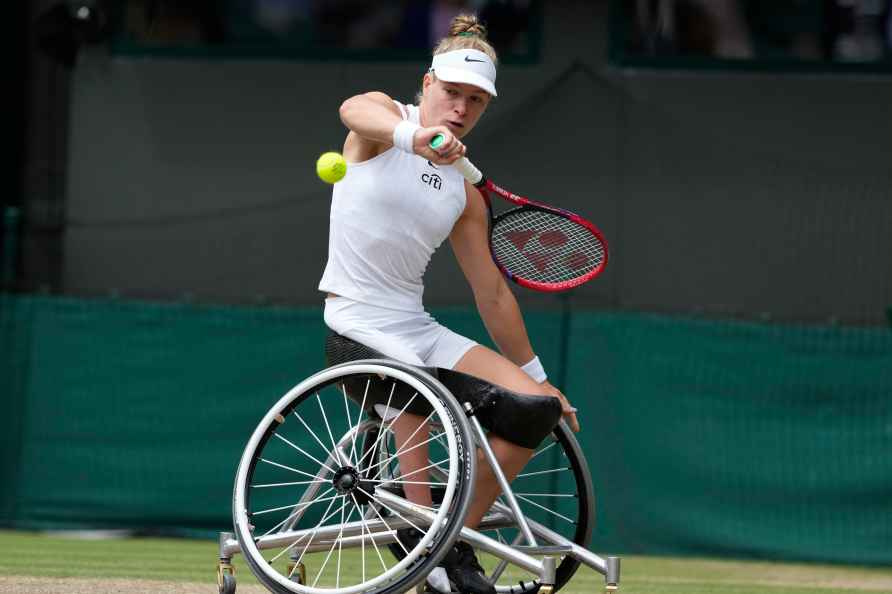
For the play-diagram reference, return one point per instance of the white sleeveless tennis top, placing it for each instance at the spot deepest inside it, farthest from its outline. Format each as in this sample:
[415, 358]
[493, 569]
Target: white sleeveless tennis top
[388, 216]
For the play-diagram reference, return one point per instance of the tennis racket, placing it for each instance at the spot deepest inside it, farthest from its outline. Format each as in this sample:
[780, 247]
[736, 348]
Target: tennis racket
[535, 245]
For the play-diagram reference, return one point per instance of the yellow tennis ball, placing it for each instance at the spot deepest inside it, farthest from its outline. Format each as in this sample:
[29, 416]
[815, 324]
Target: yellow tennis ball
[331, 167]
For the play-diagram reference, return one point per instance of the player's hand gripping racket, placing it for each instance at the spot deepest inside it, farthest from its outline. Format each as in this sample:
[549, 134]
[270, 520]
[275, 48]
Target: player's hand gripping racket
[536, 245]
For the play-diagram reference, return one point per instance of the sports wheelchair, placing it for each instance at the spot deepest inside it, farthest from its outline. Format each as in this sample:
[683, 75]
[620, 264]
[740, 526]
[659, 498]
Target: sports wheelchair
[319, 502]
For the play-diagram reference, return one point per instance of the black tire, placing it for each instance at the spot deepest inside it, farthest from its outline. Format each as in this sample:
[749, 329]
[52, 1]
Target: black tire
[228, 585]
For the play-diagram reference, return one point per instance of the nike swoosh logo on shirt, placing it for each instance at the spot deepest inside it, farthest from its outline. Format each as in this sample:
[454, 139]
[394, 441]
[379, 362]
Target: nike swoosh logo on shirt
[467, 59]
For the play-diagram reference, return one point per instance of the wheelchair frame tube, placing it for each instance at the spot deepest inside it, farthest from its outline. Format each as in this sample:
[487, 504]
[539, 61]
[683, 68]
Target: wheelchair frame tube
[500, 477]
[351, 530]
[469, 535]
[582, 554]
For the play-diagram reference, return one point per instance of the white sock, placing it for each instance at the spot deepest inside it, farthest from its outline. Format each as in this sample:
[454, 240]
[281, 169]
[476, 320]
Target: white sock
[386, 412]
[438, 580]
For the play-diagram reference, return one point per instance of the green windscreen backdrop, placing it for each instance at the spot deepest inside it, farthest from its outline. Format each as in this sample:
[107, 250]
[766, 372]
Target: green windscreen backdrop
[703, 437]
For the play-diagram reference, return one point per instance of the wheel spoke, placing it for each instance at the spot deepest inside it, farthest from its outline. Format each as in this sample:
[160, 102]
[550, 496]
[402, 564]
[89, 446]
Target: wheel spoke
[290, 506]
[325, 517]
[545, 449]
[289, 484]
[334, 446]
[288, 468]
[543, 472]
[393, 420]
[355, 429]
[362, 529]
[399, 482]
[301, 537]
[386, 525]
[349, 418]
[396, 513]
[398, 452]
[311, 432]
[301, 506]
[333, 545]
[552, 512]
[372, 538]
[428, 467]
[381, 430]
[304, 452]
[341, 546]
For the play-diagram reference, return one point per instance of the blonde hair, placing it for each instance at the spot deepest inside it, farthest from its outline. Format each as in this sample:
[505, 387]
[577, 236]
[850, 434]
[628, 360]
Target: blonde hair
[466, 32]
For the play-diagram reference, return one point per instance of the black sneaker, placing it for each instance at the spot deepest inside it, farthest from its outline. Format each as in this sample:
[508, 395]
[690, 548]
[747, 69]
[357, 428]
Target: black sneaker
[465, 571]
[409, 537]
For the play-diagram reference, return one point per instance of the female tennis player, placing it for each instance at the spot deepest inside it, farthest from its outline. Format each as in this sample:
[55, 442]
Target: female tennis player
[398, 202]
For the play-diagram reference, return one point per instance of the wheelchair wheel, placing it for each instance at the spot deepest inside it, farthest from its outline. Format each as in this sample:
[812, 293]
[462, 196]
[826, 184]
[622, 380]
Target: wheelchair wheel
[314, 508]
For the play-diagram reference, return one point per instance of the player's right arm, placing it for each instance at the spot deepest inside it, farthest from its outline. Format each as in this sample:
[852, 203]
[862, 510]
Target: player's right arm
[371, 118]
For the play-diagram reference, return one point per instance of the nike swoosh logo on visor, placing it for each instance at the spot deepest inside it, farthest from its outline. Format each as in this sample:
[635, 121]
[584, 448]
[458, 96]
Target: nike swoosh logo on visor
[467, 59]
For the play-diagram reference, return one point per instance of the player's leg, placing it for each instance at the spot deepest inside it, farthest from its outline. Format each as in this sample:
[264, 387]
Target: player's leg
[486, 364]
[453, 351]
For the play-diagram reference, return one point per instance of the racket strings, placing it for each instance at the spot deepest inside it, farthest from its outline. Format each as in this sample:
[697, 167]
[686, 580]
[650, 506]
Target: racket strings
[545, 247]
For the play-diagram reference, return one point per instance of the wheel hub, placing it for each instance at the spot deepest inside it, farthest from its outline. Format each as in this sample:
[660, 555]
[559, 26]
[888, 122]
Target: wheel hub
[345, 480]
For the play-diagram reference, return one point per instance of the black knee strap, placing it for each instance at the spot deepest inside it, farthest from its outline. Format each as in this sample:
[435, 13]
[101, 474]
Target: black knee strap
[522, 419]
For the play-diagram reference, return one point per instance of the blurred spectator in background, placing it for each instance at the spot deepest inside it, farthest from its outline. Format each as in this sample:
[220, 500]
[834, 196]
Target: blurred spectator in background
[788, 28]
[711, 27]
[348, 24]
[356, 23]
[281, 17]
[843, 30]
[175, 21]
[889, 27]
[426, 22]
[858, 32]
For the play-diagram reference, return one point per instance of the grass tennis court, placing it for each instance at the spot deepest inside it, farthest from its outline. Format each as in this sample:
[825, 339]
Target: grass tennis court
[35, 563]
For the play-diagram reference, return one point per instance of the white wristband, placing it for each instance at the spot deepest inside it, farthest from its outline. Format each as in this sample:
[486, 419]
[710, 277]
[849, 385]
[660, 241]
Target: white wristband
[404, 136]
[535, 370]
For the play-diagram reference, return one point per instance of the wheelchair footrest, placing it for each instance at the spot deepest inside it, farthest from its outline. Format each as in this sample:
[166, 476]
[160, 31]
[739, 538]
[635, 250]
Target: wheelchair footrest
[544, 549]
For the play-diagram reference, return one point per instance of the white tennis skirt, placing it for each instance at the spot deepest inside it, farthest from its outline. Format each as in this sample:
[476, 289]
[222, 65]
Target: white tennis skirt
[415, 338]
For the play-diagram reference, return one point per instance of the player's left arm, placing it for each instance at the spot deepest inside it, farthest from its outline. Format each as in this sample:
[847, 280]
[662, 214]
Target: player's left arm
[496, 303]
[494, 299]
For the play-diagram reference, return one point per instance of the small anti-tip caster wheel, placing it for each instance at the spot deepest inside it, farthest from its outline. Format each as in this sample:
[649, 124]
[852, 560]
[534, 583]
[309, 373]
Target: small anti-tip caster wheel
[227, 586]
[225, 577]
[299, 575]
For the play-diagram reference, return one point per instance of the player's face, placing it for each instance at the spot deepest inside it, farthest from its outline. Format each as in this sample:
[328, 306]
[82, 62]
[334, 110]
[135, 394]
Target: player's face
[457, 106]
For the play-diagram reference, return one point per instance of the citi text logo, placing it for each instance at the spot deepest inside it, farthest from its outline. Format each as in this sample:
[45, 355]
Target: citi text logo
[432, 179]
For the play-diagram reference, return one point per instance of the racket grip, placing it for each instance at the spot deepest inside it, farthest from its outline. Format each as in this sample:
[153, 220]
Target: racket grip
[465, 167]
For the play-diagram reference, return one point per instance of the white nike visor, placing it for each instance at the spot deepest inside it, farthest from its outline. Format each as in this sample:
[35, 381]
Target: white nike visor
[466, 66]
